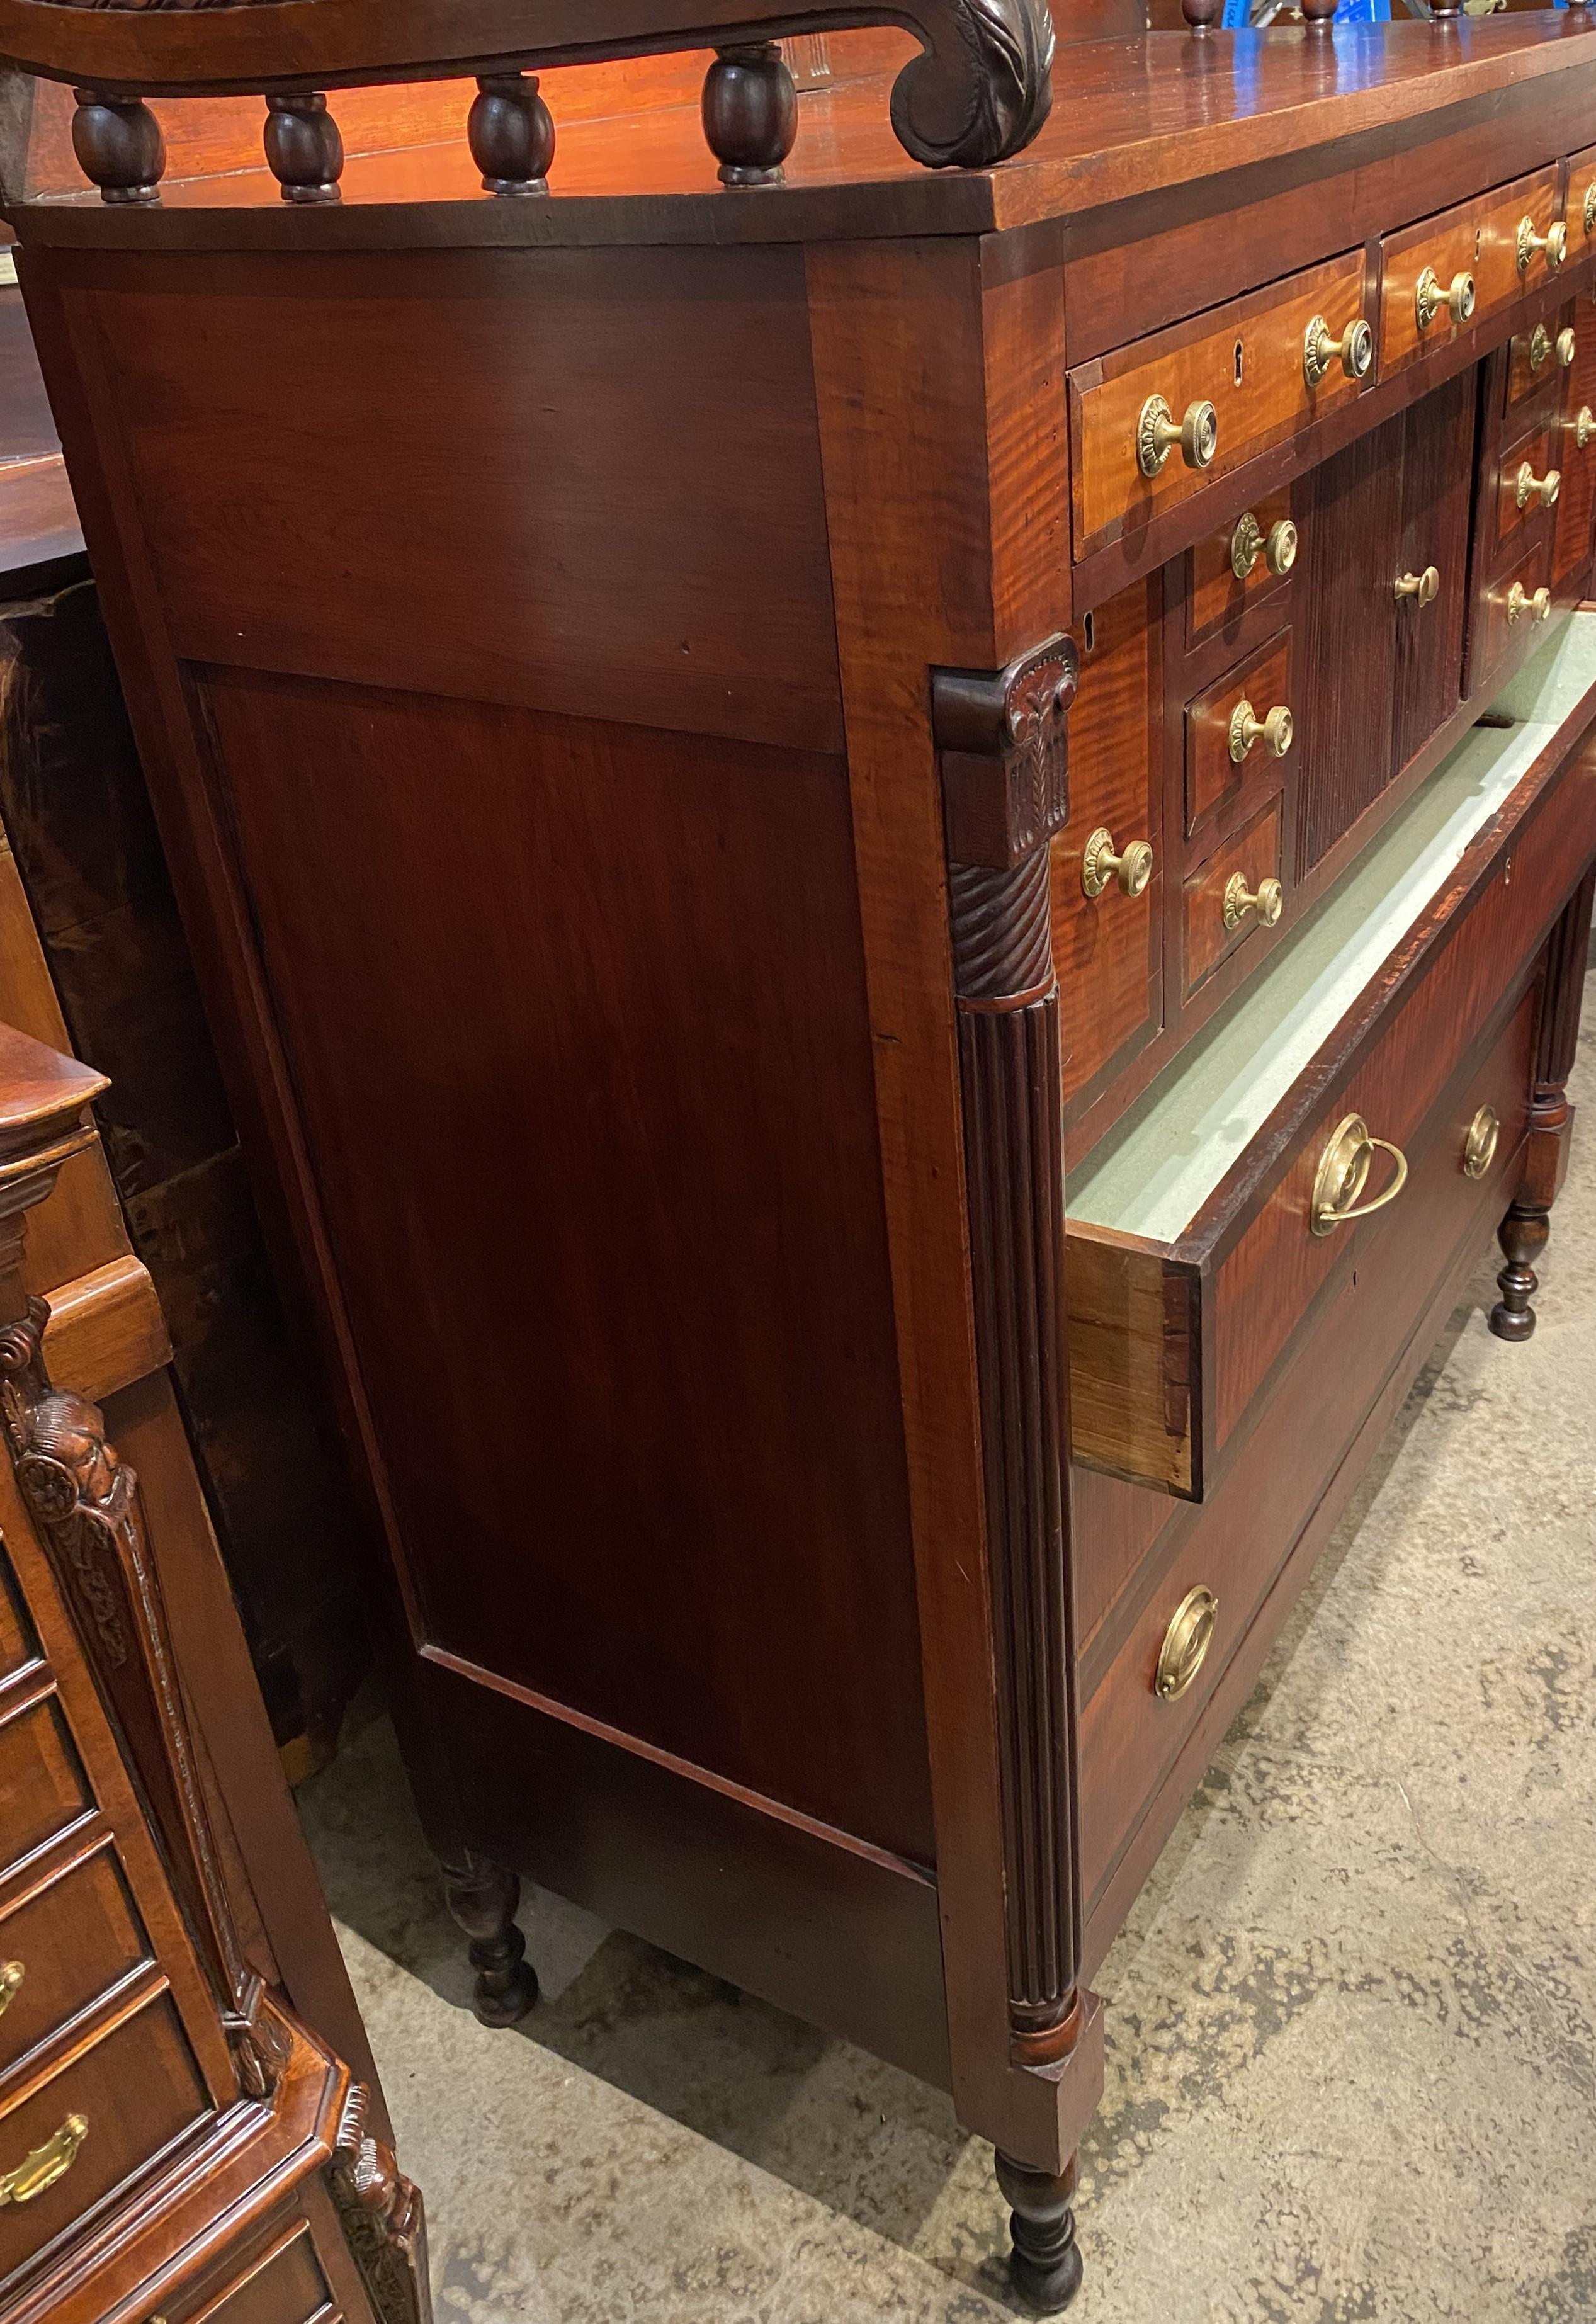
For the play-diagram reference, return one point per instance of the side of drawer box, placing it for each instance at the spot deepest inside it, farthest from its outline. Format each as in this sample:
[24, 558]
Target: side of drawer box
[1245, 359]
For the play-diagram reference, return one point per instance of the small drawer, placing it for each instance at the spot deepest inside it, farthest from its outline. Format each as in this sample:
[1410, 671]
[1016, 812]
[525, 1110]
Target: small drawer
[1536, 358]
[41, 1780]
[1571, 527]
[18, 1644]
[1204, 1229]
[284, 2285]
[1509, 612]
[1581, 203]
[130, 2096]
[1529, 480]
[1225, 750]
[1239, 564]
[1456, 268]
[63, 1947]
[1153, 1694]
[1234, 894]
[1241, 378]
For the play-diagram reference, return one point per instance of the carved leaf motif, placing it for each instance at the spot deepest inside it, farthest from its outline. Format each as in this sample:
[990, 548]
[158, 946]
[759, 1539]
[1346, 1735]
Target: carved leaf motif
[984, 89]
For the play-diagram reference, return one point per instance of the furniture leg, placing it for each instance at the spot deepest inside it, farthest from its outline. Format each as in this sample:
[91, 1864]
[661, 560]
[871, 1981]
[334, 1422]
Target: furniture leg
[1045, 2263]
[482, 1897]
[1523, 1235]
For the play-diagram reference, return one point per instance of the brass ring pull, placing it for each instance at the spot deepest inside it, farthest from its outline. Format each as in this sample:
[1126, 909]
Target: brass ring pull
[1481, 1144]
[1157, 435]
[46, 2164]
[1554, 243]
[1527, 487]
[1428, 297]
[1354, 350]
[1343, 1173]
[1274, 731]
[1424, 588]
[1133, 868]
[1277, 547]
[1185, 1644]
[1268, 901]
[11, 1974]
[1519, 603]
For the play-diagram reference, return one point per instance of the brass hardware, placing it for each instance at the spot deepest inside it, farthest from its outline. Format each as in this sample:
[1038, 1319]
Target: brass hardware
[1354, 350]
[46, 2164]
[1527, 487]
[1584, 427]
[1343, 1173]
[1423, 587]
[1554, 242]
[1185, 1644]
[1540, 345]
[1277, 547]
[1481, 1144]
[1566, 348]
[1133, 868]
[1157, 435]
[1429, 298]
[1246, 729]
[1520, 603]
[1268, 901]
[1591, 207]
[11, 1977]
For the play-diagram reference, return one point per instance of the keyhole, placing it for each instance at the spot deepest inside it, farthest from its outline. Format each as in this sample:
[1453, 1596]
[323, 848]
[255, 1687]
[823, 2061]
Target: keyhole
[1240, 354]
[1090, 630]
[1478, 232]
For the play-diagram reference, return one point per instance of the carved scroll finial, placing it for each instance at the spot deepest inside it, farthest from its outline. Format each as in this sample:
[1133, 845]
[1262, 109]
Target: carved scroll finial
[1003, 740]
[983, 89]
[511, 132]
[303, 147]
[119, 146]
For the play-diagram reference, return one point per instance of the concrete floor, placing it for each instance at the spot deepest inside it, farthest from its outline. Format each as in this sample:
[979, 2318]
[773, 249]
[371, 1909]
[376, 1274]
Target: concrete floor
[1352, 2025]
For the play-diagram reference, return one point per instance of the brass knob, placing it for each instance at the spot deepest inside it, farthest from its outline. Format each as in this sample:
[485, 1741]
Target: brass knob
[1354, 349]
[1519, 603]
[1268, 901]
[1423, 587]
[1274, 731]
[11, 1977]
[1185, 1644]
[1458, 297]
[1249, 541]
[1591, 207]
[1133, 868]
[1481, 1144]
[1566, 348]
[1540, 345]
[1157, 435]
[46, 2164]
[1343, 1173]
[1554, 242]
[1527, 487]
[1584, 426]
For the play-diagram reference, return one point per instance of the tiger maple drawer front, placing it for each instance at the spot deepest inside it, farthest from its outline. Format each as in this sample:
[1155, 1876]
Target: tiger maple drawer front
[1464, 264]
[1529, 483]
[1155, 422]
[62, 1946]
[1537, 355]
[1510, 612]
[1205, 1228]
[1174, 1654]
[91, 2127]
[1236, 892]
[1239, 564]
[42, 1779]
[1240, 734]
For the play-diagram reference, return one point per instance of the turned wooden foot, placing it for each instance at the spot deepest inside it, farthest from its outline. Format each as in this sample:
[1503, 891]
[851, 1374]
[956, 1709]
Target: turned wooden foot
[1523, 1235]
[1045, 2262]
[483, 1897]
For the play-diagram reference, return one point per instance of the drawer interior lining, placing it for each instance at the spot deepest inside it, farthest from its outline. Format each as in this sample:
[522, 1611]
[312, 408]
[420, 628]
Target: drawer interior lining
[1153, 1173]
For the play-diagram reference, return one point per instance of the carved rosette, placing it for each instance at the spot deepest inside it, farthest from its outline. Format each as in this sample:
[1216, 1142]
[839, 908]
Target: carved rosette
[1004, 753]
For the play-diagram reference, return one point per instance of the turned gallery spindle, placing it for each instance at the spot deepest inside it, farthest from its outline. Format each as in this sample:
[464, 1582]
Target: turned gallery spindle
[1201, 15]
[119, 146]
[750, 114]
[1318, 15]
[511, 132]
[303, 147]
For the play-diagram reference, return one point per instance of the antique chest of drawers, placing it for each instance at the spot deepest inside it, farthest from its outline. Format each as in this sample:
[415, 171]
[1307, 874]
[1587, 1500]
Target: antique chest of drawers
[894, 866]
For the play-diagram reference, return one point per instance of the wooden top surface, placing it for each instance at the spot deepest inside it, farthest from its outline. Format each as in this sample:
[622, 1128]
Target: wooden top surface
[1132, 119]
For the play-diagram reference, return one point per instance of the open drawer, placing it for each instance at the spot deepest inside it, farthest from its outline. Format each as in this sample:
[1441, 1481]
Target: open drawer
[1208, 1227]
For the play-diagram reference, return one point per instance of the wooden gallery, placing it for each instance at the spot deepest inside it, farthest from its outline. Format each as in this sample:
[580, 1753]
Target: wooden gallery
[875, 724]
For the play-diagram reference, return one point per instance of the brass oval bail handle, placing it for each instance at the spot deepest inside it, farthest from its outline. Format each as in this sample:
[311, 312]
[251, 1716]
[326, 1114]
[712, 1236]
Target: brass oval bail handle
[46, 2164]
[1343, 1173]
[1186, 1644]
[11, 1974]
[1481, 1144]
